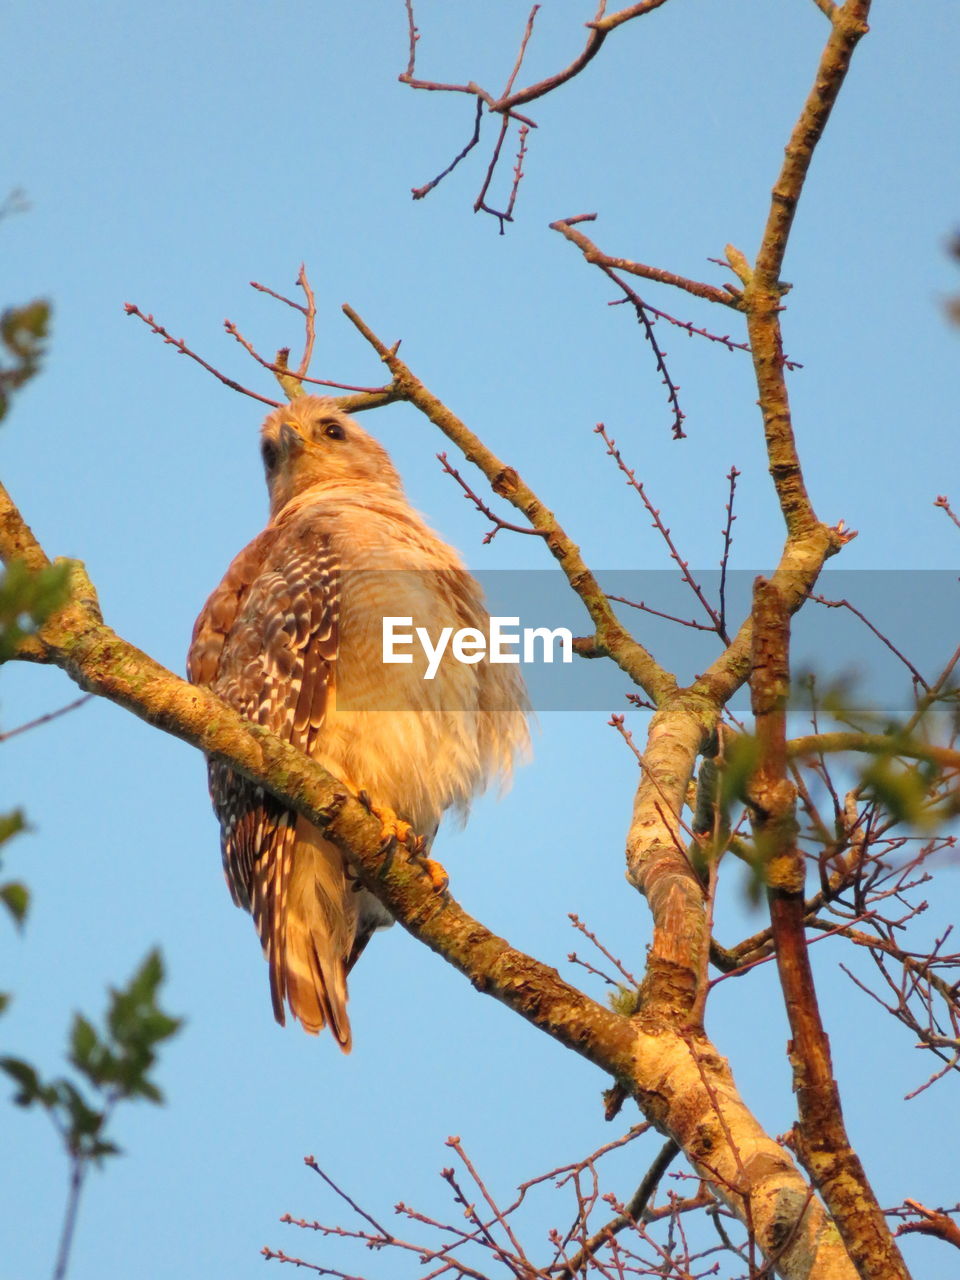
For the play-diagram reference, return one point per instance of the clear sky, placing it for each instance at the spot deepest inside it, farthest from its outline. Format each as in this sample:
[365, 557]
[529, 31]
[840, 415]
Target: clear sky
[170, 154]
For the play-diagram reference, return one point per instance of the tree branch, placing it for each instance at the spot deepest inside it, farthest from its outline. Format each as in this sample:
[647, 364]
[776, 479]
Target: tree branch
[880, 744]
[596, 256]
[849, 24]
[820, 1136]
[611, 635]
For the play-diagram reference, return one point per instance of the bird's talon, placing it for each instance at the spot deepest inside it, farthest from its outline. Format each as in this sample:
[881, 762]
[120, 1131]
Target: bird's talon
[393, 830]
[439, 880]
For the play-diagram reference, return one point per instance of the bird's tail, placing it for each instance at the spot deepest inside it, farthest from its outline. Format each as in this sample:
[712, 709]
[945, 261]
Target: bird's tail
[318, 932]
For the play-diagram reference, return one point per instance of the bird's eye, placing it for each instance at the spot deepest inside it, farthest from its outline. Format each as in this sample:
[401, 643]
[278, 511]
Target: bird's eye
[270, 453]
[334, 431]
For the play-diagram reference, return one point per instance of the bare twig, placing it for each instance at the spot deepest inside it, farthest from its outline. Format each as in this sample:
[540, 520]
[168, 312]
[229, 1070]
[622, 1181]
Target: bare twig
[618, 965]
[184, 350]
[310, 314]
[595, 255]
[45, 719]
[661, 528]
[633, 1212]
[935, 1222]
[311, 1163]
[726, 296]
[944, 503]
[658, 613]
[282, 370]
[289, 302]
[845, 604]
[660, 356]
[727, 540]
[455, 1145]
[482, 507]
[419, 192]
[505, 105]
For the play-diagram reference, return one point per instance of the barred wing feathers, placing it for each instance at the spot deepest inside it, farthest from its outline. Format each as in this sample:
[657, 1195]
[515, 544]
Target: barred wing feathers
[266, 642]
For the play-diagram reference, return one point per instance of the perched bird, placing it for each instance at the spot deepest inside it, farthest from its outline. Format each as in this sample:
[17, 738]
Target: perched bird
[293, 639]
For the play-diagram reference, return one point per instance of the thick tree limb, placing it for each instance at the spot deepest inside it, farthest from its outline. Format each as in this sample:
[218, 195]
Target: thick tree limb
[849, 24]
[820, 1135]
[763, 291]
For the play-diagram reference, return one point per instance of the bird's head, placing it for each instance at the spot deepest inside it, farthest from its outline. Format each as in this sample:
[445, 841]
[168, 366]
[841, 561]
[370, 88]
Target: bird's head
[310, 443]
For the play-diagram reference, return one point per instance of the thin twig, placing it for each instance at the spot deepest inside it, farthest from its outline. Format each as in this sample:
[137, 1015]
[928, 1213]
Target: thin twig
[45, 719]
[311, 1163]
[845, 604]
[78, 1171]
[277, 1255]
[481, 506]
[278, 369]
[661, 528]
[573, 958]
[660, 356]
[262, 288]
[517, 171]
[582, 928]
[658, 613]
[508, 101]
[595, 255]
[633, 1211]
[184, 350]
[528, 32]
[944, 503]
[480, 202]
[310, 313]
[727, 540]
[936, 1222]
[419, 192]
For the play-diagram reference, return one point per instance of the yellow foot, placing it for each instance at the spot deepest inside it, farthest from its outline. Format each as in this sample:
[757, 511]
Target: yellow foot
[395, 830]
[439, 879]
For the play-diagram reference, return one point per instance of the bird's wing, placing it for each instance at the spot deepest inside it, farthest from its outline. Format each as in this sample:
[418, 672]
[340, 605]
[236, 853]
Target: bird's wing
[266, 642]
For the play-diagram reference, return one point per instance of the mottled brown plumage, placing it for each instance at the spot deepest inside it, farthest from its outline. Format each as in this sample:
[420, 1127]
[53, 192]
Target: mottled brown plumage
[292, 637]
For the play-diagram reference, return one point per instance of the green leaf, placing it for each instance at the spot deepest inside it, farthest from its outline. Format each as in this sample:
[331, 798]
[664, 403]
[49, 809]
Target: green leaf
[85, 1047]
[27, 598]
[114, 1062]
[23, 331]
[16, 898]
[98, 1149]
[740, 762]
[147, 1089]
[903, 790]
[11, 824]
[25, 1075]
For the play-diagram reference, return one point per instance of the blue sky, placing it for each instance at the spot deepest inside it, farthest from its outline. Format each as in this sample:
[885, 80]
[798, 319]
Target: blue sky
[173, 153]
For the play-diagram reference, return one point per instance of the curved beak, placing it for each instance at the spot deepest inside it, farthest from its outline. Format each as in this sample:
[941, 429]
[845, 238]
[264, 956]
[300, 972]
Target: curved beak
[291, 441]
